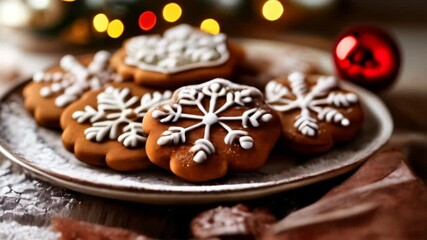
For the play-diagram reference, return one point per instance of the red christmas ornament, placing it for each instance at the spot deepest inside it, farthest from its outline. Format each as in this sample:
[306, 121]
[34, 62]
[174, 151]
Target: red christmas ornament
[367, 56]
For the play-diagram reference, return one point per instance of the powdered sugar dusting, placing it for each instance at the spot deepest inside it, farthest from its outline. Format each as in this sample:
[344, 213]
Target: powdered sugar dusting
[15, 231]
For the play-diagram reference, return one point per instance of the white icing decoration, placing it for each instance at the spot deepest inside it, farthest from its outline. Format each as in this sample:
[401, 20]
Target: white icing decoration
[234, 94]
[115, 109]
[279, 98]
[181, 48]
[76, 78]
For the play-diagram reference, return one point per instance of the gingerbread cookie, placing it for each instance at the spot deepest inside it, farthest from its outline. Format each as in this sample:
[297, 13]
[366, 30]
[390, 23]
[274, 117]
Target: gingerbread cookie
[183, 55]
[237, 222]
[207, 129]
[51, 91]
[315, 112]
[104, 127]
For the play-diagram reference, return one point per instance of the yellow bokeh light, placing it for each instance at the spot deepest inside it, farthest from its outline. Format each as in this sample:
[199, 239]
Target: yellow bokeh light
[172, 12]
[115, 28]
[272, 10]
[210, 25]
[100, 22]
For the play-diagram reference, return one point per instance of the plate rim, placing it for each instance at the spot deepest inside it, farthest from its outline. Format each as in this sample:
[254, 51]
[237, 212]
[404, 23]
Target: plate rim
[164, 196]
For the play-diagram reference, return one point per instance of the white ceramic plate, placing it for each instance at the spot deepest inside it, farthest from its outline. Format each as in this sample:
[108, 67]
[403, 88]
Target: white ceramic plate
[41, 152]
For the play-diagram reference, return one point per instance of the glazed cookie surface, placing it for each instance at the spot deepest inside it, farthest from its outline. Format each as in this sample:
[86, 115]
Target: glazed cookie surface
[104, 127]
[210, 128]
[52, 90]
[315, 112]
[183, 55]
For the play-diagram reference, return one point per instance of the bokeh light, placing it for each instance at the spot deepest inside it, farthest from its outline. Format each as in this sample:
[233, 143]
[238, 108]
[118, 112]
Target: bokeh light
[147, 20]
[115, 28]
[100, 22]
[210, 25]
[172, 12]
[272, 10]
[39, 4]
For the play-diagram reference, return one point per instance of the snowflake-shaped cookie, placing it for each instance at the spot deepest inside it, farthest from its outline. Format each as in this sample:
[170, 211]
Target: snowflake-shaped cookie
[213, 123]
[210, 116]
[75, 78]
[183, 55]
[181, 48]
[118, 116]
[103, 127]
[321, 99]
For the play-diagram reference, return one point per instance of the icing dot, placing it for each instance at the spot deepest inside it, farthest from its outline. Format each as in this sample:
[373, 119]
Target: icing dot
[161, 51]
[219, 38]
[308, 131]
[102, 56]
[247, 99]
[39, 76]
[222, 49]
[45, 92]
[67, 62]
[345, 122]
[95, 83]
[338, 117]
[63, 100]
[351, 97]
[168, 63]
[266, 117]
[209, 55]
[210, 119]
[156, 113]
[56, 87]
[200, 157]
[246, 142]
[176, 46]
[204, 41]
[215, 87]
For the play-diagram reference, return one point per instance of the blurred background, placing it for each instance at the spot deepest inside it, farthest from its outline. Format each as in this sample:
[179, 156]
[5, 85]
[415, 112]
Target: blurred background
[35, 33]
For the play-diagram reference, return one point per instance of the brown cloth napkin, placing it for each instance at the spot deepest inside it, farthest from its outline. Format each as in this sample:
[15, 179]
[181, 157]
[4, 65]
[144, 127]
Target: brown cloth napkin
[382, 200]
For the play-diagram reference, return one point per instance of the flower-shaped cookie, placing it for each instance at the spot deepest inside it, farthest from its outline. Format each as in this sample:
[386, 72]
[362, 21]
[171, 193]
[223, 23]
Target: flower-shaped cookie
[183, 55]
[315, 112]
[207, 129]
[104, 127]
[51, 91]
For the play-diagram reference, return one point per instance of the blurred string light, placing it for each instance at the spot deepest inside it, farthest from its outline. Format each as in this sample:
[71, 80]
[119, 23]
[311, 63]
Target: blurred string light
[147, 20]
[100, 22]
[115, 28]
[14, 13]
[68, 0]
[230, 4]
[314, 3]
[39, 4]
[172, 12]
[210, 25]
[79, 32]
[272, 10]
